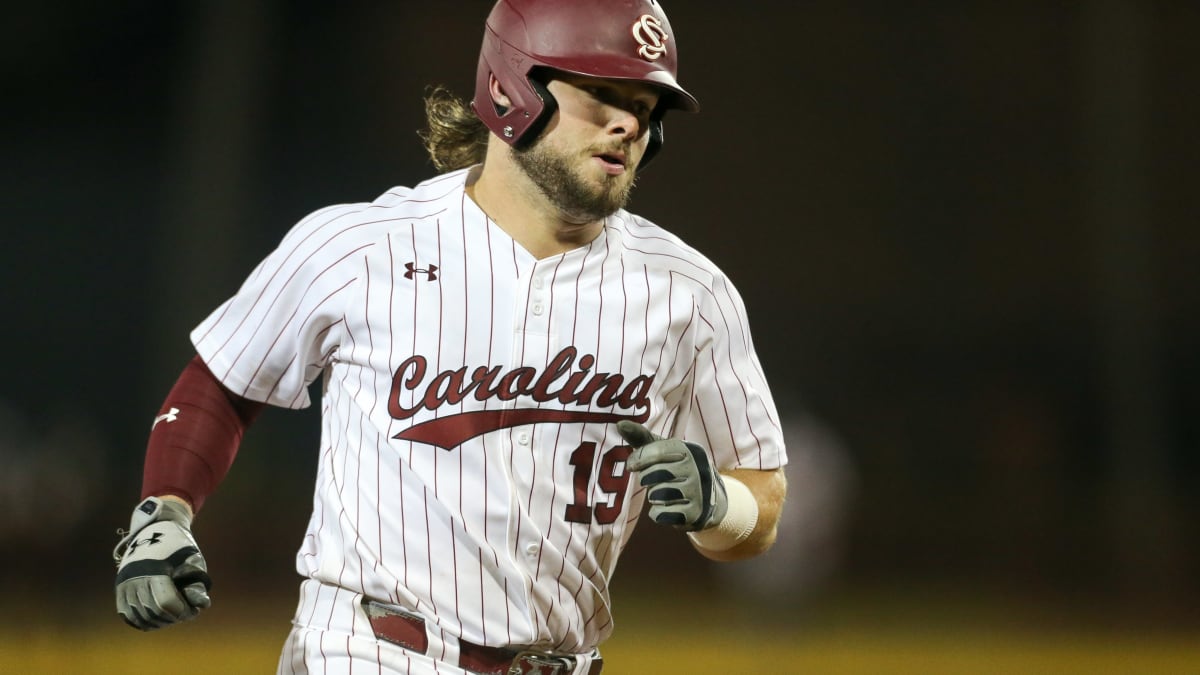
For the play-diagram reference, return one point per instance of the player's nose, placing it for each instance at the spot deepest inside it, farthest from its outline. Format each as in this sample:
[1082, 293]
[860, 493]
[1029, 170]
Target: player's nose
[625, 124]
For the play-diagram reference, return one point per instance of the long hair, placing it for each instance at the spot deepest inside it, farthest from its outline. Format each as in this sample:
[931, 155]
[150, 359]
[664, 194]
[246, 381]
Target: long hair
[454, 137]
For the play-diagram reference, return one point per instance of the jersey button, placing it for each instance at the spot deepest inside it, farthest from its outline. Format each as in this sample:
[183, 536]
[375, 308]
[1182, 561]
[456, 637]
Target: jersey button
[523, 438]
[537, 309]
[531, 550]
[537, 282]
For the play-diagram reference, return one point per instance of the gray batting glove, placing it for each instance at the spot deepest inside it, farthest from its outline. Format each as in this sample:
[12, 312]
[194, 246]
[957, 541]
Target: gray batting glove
[685, 490]
[161, 576]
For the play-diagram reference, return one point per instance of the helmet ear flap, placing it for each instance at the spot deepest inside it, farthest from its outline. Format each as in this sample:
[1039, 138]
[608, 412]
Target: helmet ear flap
[549, 107]
[654, 143]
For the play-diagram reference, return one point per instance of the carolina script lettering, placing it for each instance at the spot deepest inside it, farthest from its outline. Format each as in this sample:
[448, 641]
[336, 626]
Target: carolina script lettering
[567, 379]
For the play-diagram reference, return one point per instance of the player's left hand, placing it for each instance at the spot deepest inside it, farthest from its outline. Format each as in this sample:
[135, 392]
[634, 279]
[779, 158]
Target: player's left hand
[686, 492]
[161, 575]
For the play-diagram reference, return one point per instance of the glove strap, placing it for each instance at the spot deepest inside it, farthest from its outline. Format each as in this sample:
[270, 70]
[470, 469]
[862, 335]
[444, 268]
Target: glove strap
[738, 523]
[150, 510]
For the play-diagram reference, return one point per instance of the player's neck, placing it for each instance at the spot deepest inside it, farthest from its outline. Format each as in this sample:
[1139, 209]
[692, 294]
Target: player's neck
[517, 206]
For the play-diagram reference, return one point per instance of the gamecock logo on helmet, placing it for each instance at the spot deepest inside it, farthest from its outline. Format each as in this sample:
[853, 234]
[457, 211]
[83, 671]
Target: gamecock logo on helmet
[650, 34]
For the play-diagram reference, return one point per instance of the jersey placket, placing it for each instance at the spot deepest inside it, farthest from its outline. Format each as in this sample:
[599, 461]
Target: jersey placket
[531, 313]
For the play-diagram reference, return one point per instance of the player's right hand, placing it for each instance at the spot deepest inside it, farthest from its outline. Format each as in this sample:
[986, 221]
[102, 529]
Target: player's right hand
[161, 575]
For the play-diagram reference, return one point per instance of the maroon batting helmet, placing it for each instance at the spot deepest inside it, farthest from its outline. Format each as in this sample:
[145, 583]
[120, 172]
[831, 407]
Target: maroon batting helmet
[611, 39]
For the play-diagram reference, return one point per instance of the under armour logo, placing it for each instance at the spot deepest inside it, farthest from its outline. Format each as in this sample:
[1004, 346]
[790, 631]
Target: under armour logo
[169, 416]
[650, 34]
[430, 272]
[149, 541]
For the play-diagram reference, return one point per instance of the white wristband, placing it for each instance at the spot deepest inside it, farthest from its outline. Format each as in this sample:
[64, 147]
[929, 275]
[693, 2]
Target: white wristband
[738, 522]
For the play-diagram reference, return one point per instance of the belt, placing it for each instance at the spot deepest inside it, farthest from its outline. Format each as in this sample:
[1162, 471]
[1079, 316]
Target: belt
[408, 631]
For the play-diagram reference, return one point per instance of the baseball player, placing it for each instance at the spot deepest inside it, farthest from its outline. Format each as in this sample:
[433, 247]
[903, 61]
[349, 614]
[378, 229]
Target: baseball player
[513, 366]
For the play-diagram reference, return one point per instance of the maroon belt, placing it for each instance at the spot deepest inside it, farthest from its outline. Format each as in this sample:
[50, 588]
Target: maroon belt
[408, 631]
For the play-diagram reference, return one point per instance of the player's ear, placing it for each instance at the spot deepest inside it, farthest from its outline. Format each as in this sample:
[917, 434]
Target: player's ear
[498, 96]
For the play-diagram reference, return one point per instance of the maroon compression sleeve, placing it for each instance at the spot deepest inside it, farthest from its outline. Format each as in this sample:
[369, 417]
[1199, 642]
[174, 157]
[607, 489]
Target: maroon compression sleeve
[195, 436]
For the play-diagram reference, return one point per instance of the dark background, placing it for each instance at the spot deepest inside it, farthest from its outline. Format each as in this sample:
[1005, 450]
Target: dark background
[965, 233]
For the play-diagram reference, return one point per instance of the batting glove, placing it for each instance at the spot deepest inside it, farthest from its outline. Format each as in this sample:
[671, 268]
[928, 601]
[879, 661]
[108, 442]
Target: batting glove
[685, 490]
[161, 576]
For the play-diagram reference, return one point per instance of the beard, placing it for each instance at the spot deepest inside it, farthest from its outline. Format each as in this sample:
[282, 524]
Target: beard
[578, 199]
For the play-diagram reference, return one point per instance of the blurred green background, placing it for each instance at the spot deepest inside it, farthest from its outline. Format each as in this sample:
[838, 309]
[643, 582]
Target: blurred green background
[966, 235]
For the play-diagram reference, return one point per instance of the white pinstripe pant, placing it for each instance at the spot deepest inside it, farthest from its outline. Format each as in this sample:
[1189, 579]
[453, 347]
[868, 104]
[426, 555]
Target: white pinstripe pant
[331, 636]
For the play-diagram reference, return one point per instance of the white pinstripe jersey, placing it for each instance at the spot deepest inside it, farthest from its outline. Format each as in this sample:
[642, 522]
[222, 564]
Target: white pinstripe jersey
[469, 465]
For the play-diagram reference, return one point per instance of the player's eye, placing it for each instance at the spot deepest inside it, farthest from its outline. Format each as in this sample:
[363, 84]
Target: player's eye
[595, 92]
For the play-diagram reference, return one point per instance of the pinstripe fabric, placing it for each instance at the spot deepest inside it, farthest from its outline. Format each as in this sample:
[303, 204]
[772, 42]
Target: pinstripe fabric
[416, 307]
[332, 636]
